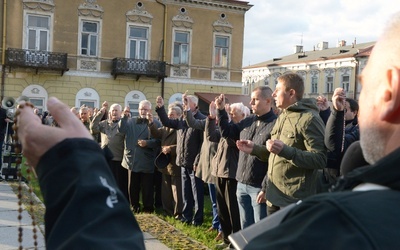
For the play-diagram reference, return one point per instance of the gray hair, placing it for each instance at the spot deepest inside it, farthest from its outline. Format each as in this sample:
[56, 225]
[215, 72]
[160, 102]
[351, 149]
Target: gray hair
[238, 106]
[177, 107]
[194, 99]
[145, 102]
[119, 107]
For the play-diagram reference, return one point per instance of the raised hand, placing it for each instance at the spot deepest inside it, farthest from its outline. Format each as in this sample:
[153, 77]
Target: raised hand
[159, 101]
[213, 110]
[37, 139]
[339, 99]
[220, 101]
[322, 103]
[149, 117]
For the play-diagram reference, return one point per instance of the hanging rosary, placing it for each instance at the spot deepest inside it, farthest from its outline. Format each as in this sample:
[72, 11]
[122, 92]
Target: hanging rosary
[18, 161]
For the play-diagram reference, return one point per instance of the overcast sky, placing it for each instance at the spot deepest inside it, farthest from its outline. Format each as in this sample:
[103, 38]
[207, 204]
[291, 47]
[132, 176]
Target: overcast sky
[274, 27]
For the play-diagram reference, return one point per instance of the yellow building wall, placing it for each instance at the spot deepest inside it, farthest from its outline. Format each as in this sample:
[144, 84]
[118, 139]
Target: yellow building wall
[64, 38]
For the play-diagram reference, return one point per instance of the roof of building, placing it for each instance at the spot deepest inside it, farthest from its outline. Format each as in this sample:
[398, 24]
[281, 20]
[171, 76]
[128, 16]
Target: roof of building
[235, 4]
[318, 55]
[235, 1]
[365, 52]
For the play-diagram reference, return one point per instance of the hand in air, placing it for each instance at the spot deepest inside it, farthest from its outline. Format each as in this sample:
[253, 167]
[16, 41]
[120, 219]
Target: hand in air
[37, 139]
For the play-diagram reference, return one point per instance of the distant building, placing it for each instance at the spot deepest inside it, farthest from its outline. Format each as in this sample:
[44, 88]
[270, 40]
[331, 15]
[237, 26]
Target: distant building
[90, 51]
[323, 69]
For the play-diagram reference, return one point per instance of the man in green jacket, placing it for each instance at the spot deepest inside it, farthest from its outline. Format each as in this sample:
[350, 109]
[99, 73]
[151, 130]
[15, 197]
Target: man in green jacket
[296, 146]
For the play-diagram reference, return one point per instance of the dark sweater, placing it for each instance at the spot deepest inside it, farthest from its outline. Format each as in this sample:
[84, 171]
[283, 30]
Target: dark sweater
[251, 170]
[84, 207]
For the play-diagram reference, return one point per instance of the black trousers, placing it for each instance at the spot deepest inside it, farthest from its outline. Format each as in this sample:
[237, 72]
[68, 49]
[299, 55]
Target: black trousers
[141, 183]
[228, 209]
[121, 174]
[157, 189]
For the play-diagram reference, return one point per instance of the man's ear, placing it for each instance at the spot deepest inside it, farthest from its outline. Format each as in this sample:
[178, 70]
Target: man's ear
[390, 110]
[292, 93]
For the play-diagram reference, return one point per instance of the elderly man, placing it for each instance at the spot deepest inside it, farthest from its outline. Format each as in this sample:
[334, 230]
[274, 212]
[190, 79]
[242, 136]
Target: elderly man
[363, 213]
[139, 154]
[171, 184]
[189, 141]
[113, 140]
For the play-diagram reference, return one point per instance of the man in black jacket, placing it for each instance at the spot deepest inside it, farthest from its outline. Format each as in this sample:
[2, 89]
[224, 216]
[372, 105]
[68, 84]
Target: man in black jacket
[84, 207]
[251, 170]
[341, 131]
[364, 212]
[189, 141]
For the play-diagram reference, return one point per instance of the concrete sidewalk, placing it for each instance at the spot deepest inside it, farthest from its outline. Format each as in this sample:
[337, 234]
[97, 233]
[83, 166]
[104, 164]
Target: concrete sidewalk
[9, 225]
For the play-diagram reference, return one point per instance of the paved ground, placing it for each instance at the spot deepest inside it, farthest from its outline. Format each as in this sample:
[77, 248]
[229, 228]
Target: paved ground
[9, 225]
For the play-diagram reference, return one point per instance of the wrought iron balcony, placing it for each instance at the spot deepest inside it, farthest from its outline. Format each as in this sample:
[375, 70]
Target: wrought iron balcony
[138, 67]
[36, 59]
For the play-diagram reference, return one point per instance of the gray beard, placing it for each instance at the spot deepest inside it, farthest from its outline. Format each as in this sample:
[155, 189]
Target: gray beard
[372, 143]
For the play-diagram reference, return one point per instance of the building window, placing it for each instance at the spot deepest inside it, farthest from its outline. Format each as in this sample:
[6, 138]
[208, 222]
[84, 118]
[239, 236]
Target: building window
[345, 83]
[138, 40]
[88, 97]
[221, 51]
[181, 48]
[87, 103]
[266, 81]
[314, 85]
[89, 38]
[132, 100]
[134, 106]
[38, 32]
[246, 87]
[38, 103]
[329, 84]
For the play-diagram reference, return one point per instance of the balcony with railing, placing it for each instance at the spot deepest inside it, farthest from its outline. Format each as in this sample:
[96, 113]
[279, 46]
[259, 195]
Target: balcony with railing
[36, 59]
[138, 68]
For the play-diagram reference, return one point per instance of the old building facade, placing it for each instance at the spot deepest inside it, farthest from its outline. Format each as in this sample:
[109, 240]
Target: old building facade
[323, 69]
[90, 51]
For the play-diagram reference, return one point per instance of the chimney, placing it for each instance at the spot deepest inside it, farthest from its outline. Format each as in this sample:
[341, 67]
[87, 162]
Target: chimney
[354, 43]
[298, 49]
[322, 45]
[342, 43]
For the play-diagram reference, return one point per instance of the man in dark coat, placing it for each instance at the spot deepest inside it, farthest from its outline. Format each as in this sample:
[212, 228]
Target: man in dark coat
[189, 141]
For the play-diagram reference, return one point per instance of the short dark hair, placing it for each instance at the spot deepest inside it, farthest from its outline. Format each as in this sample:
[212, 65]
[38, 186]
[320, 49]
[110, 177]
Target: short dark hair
[353, 104]
[293, 81]
[266, 92]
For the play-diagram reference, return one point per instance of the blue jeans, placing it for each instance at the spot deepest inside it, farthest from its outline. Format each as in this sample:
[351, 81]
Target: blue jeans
[193, 197]
[213, 198]
[250, 211]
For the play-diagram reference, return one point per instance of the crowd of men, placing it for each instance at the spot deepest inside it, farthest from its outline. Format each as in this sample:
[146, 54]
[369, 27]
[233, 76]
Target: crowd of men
[262, 163]
[254, 162]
